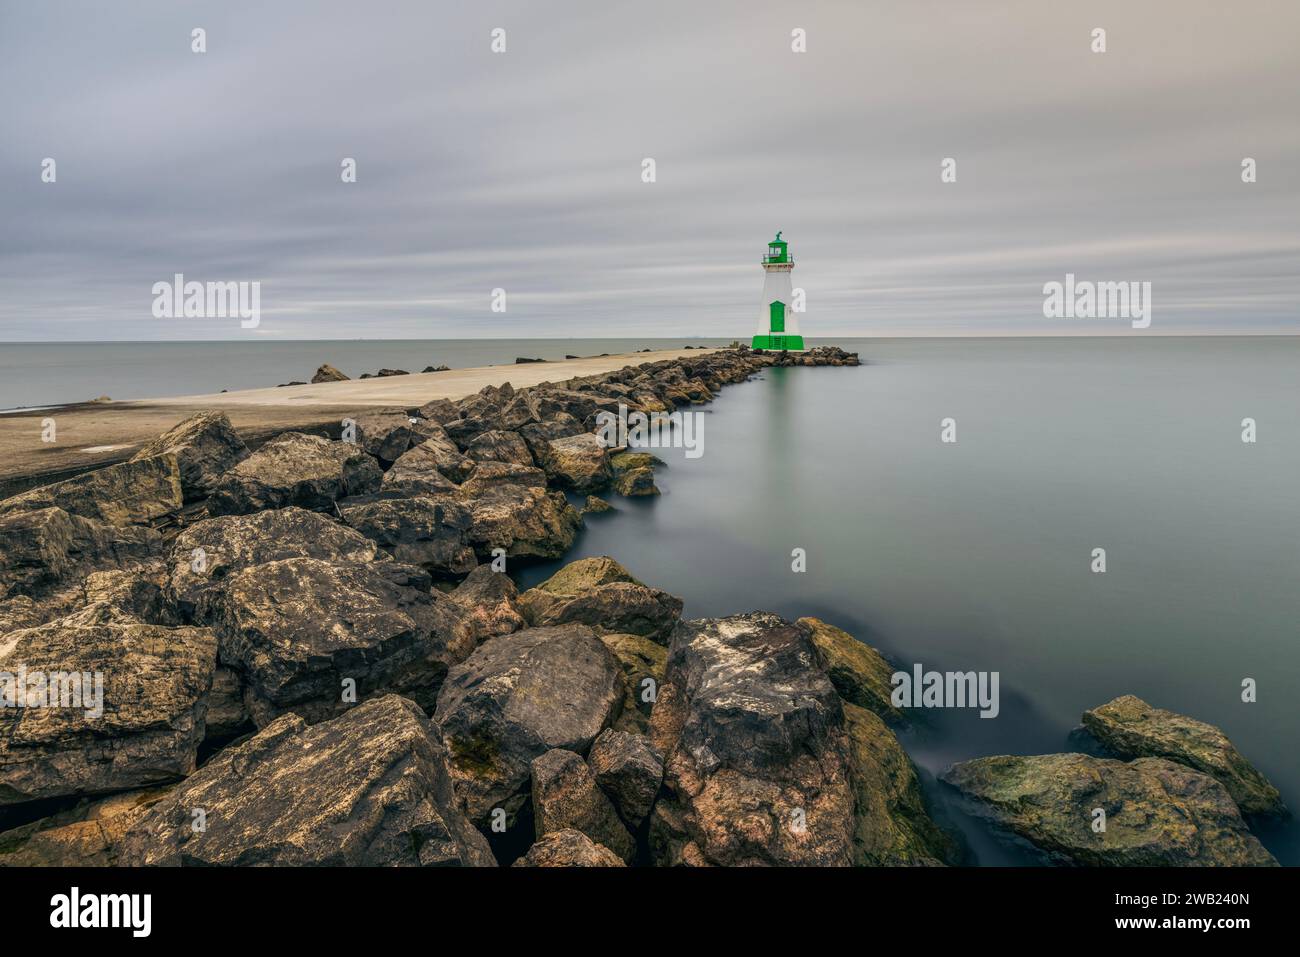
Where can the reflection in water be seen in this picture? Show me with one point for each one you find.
(975, 556)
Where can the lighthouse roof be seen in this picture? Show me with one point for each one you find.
(777, 251)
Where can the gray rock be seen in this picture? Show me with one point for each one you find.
(565, 796)
(388, 433)
(296, 629)
(206, 446)
(1128, 727)
(368, 788)
(420, 467)
(526, 521)
(489, 603)
(579, 462)
(205, 555)
(152, 683)
(499, 446)
(602, 593)
(428, 532)
(568, 848)
(628, 769)
(45, 549)
(128, 493)
(327, 373)
(296, 469)
(1158, 813)
(517, 697)
(758, 766)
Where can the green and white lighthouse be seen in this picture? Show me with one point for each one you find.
(778, 327)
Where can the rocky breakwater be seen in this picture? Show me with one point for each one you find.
(312, 643)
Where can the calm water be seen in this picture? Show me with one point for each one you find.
(976, 556)
(34, 374)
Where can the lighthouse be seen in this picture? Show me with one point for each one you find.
(778, 326)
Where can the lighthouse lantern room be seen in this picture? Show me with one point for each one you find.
(778, 326)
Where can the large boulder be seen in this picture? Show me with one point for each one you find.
(388, 433)
(86, 835)
(489, 603)
(489, 476)
(205, 555)
(304, 633)
(565, 796)
(568, 848)
(47, 548)
(602, 593)
(758, 764)
(420, 531)
(892, 826)
(206, 446)
(579, 462)
(526, 521)
(860, 674)
(1128, 727)
(429, 465)
(127, 709)
(296, 469)
(539, 435)
(500, 446)
(327, 373)
(1157, 813)
(129, 493)
(368, 788)
(628, 769)
(517, 697)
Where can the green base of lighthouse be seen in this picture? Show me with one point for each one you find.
(778, 343)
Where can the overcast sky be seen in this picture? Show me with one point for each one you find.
(522, 170)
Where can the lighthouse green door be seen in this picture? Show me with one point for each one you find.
(776, 313)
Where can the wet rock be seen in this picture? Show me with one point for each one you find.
(515, 698)
(296, 469)
(489, 603)
(327, 373)
(859, 672)
(205, 555)
(428, 466)
(128, 493)
(644, 664)
(568, 848)
(565, 796)
(596, 506)
(87, 835)
(297, 629)
(629, 770)
(498, 446)
(636, 482)
(142, 695)
(1128, 727)
(1158, 813)
(579, 462)
(892, 826)
(423, 531)
(758, 767)
(622, 462)
(206, 446)
(601, 593)
(43, 549)
(368, 788)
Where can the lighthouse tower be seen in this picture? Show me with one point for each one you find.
(778, 327)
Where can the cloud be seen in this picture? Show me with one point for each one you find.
(522, 170)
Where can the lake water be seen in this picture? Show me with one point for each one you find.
(977, 555)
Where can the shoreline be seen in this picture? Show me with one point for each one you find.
(114, 430)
